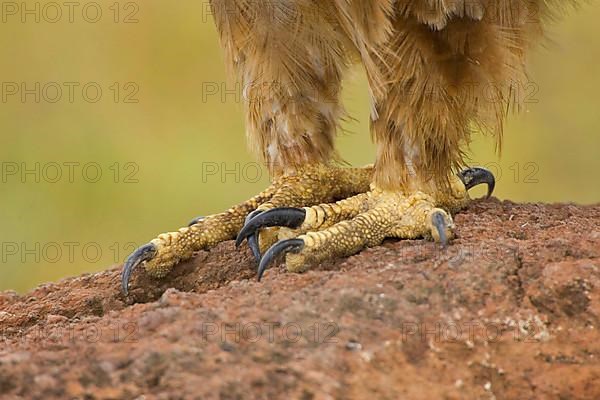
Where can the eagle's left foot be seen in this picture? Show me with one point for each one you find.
(315, 234)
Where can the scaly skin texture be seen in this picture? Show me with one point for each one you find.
(344, 228)
(311, 185)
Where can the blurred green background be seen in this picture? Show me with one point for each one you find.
(87, 176)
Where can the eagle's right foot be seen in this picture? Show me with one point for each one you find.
(306, 187)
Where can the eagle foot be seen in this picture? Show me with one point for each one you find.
(309, 235)
(307, 186)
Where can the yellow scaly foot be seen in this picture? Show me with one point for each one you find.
(307, 186)
(326, 231)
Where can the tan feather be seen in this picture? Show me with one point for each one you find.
(438, 70)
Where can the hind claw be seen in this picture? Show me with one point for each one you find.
(472, 177)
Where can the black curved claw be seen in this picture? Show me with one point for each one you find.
(144, 253)
(281, 247)
(195, 221)
(476, 176)
(253, 238)
(284, 216)
(439, 221)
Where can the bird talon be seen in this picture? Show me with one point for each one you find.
(281, 247)
(195, 221)
(283, 216)
(252, 238)
(472, 177)
(438, 220)
(144, 253)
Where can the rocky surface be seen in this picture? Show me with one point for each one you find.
(510, 311)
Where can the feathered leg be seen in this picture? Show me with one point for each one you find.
(289, 57)
(445, 69)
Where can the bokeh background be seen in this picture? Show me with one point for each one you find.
(88, 176)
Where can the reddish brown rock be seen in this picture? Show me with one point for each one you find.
(510, 311)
